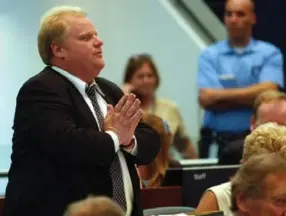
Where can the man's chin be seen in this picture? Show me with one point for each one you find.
(100, 65)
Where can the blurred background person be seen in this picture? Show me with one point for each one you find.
(259, 187)
(231, 73)
(141, 77)
(266, 138)
(94, 206)
(269, 106)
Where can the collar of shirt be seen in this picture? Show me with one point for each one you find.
(77, 82)
(226, 48)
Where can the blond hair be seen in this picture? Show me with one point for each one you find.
(249, 179)
(267, 97)
(94, 206)
(266, 138)
(158, 167)
(53, 28)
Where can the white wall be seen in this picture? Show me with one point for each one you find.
(125, 26)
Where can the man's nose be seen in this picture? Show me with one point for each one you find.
(98, 41)
(233, 18)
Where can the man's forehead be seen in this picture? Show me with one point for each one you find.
(80, 23)
(273, 104)
(272, 111)
(239, 5)
(272, 181)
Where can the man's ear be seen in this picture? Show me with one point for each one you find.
(254, 21)
(242, 202)
(58, 50)
(252, 123)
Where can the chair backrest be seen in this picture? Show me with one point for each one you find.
(1, 204)
(161, 196)
(167, 210)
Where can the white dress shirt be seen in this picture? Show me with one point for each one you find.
(81, 85)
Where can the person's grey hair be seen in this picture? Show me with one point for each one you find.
(249, 179)
(266, 138)
(94, 206)
(53, 28)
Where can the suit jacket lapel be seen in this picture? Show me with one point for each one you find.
(79, 102)
(107, 94)
(82, 107)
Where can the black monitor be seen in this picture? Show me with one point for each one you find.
(195, 180)
(173, 177)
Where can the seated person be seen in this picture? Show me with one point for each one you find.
(94, 206)
(153, 174)
(142, 78)
(259, 186)
(266, 138)
(269, 106)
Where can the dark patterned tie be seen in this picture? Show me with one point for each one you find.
(115, 169)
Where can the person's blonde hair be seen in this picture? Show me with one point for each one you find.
(157, 169)
(53, 28)
(249, 179)
(266, 138)
(94, 206)
(267, 97)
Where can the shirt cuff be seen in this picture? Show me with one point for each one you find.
(115, 139)
(133, 150)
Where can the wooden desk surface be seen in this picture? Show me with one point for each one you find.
(161, 196)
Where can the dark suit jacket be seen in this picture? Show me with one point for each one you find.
(59, 156)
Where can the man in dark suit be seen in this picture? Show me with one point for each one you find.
(74, 134)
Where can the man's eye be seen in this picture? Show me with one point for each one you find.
(240, 14)
(86, 37)
(280, 201)
(227, 13)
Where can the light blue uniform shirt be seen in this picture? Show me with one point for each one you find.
(221, 66)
